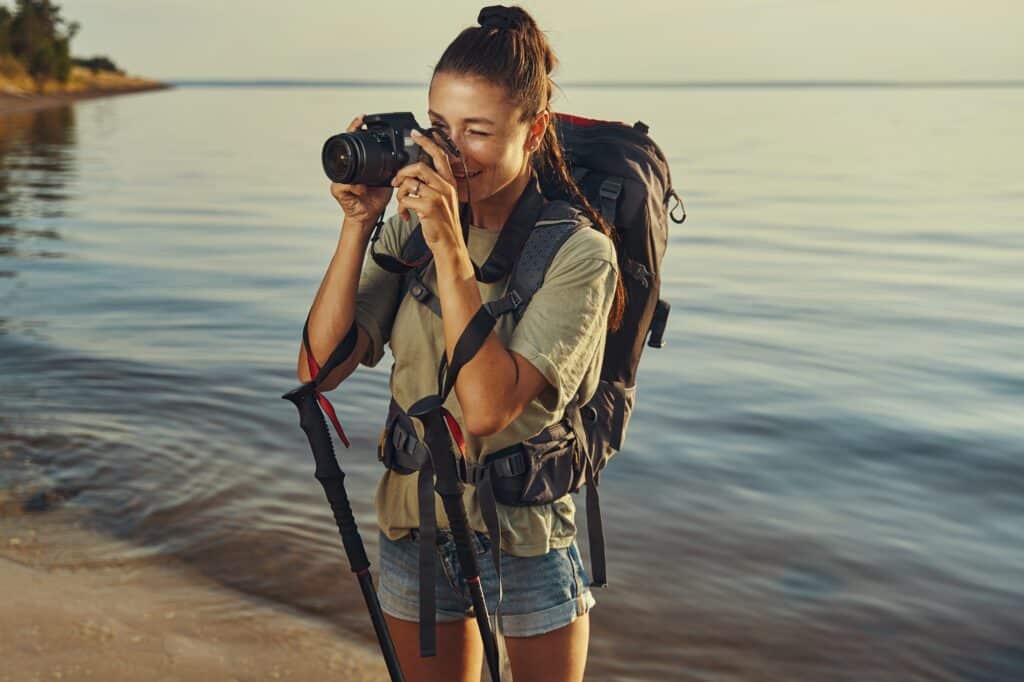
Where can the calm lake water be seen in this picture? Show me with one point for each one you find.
(822, 479)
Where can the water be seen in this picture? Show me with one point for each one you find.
(822, 477)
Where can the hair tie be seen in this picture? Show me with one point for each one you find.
(498, 16)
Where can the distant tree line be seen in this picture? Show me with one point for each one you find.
(37, 36)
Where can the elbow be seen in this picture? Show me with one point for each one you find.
(483, 420)
(481, 427)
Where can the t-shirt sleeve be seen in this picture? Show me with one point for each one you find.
(377, 297)
(566, 320)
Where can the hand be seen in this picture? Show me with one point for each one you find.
(361, 203)
(432, 193)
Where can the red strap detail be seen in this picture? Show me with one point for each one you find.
(329, 409)
(453, 426)
(325, 404)
(314, 368)
(583, 122)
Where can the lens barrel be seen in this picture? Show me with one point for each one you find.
(366, 157)
(341, 158)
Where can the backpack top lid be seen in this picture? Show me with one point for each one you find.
(616, 148)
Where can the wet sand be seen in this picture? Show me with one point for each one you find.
(69, 614)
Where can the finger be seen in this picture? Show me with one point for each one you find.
(356, 124)
(422, 172)
(421, 204)
(439, 156)
(339, 189)
(413, 186)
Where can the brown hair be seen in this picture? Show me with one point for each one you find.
(512, 51)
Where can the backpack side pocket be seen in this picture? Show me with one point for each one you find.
(605, 420)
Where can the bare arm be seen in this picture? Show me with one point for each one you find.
(333, 308)
(497, 384)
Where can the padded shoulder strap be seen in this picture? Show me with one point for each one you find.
(557, 223)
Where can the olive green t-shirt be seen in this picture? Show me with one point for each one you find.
(562, 334)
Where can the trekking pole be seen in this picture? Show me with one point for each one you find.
(332, 478)
(439, 443)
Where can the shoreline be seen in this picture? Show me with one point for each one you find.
(72, 612)
(18, 103)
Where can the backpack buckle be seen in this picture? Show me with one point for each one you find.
(507, 303)
(611, 188)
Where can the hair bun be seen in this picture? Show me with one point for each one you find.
(500, 16)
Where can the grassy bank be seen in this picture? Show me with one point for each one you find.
(18, 91)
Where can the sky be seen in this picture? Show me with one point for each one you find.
(642, 40)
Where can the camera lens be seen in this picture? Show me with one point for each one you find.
(363, 158)
(341, 158)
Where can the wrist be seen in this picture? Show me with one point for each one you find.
(357, 227)
(358, 222)
(452, 259)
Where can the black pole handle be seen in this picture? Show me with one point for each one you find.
(332, 478)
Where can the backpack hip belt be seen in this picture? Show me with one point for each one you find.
(534, 472)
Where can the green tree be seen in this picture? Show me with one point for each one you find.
(5, 31)
(40, 40)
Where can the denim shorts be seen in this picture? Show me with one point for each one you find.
(539, 593)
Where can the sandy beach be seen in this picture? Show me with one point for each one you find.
(69, 614)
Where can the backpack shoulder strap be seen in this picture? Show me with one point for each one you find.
(557, 223)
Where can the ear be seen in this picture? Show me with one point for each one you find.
(537, 130)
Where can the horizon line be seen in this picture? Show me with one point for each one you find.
(326, 83)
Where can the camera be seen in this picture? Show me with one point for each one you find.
(373, 156)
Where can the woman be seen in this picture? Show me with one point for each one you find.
(490, 94)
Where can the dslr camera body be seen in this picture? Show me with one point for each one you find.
(373, 156)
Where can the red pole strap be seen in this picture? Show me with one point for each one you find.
(325, 404)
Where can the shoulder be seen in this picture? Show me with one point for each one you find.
(586, 252)
(586, 243)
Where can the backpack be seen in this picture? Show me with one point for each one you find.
(624, 174)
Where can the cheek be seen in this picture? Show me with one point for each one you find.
(491, 154)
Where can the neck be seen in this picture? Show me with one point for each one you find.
(492, 213)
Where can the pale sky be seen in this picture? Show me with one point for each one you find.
(653, 40)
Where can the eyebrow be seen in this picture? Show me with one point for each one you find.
(433, 113)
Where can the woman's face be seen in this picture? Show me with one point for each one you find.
(485, 125)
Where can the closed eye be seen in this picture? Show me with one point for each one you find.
(442, 126)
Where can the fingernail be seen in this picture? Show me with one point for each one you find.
(417, 133)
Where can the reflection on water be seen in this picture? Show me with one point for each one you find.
(37, 159)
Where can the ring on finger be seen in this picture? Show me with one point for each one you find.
(415, 194)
